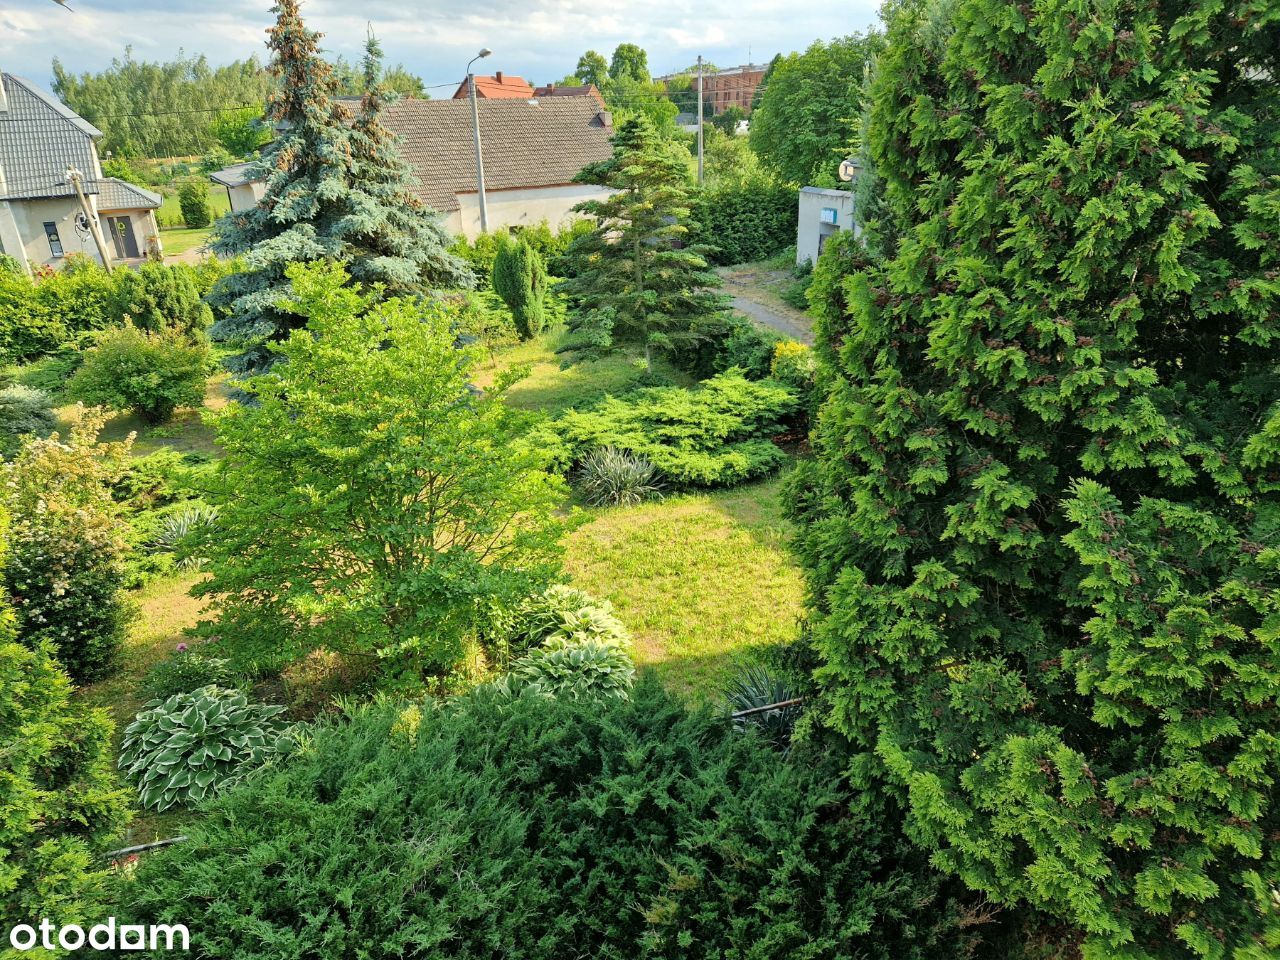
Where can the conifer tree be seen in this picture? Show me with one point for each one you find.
(632, 281)
(1042, 530)
(335, 189)
(520, 279)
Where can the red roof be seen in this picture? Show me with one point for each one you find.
(498, 87)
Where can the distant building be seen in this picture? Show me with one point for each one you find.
(498, 87)
(552, 90)
(532, 151)
(823, 213)
(41, 219)
(732, 87)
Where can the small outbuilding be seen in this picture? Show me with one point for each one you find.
(823, 213)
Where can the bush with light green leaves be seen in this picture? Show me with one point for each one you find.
(577, 669)
(179, 752)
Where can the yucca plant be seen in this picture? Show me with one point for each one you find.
(182, 750)
(176, 531)
(757, 686)
(611, 477)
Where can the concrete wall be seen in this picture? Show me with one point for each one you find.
(812, 230)
(521, 208)
(28, 219)
(246, 195)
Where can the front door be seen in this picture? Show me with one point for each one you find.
(125, 243)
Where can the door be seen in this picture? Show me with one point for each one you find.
(126, 244)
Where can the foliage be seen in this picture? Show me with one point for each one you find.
(181, 751)
(755, 686)
(23, 411)
(160, 109)
(593, 69)
(162, 296)
(633, 281)
(353, 80)
(586, 669)
(240, 132)
(336, 189)
(558, 614)
(79, 295)
(187, 670)
(554, 827)
(1041, 530)
(64, 573)
(746, 221)
(317, 682)
(793, 364)
(193, 201)
(28, 329)
(151, 374)
(629, 62)
(180, 528)
(520, 279)
(727, 121)
(805, 122)
(388, 496)
(609, 478)
(736, 342)
(49, 374)
(60, 802)
(715, 435)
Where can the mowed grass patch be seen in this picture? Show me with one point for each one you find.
(552, 389)
(702, 581)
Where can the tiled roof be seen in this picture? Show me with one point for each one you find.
(39, 138)
(588, 90)
(499, 87)
(116, 194)
(525, 144)
(236, 175)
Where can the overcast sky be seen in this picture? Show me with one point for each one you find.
(538, 39)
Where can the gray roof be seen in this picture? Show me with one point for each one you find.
(541, 144)
(236, 175)
(116, 194)
(39, 137)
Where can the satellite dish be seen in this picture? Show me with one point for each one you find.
(848, 170)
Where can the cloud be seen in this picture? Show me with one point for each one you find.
(538, 39)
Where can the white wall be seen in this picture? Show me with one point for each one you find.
(811, 230)
(29, 218)
(246, 195)
(521, 208)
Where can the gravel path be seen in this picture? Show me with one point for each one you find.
(752, 296)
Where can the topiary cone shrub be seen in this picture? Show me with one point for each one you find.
(520, 279)
(1043, 530)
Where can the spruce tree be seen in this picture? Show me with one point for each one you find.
(632, 281)
(336, 189)
(1042, 530)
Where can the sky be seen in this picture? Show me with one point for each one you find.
(537, 39)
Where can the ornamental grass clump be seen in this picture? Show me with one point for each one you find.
(609, 477)
(180, 751)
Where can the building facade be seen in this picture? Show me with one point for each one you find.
(823, 213)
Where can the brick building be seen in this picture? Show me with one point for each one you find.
(734, 87)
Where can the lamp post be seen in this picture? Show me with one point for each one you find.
(475, 122)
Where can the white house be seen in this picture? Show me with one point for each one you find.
(532, 151)
(42, 220)
(823, 213)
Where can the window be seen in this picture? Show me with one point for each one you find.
(828, 214)
(55, 244)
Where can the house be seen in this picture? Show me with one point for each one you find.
(498, 87)
(586, 90)
(823, 213)
(722, 89)
(532, 151)
(42, 219)
(244, 190)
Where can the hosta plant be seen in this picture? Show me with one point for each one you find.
(609, 477)
(181, 750)
(558, 614)
(578, 670)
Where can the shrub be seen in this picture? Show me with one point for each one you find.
(193, 200)
(610, 477)
(792, 364)
(558, 614)
(60, 803)
(50, 373)
(23, 411)
(520, 279)
(715, 435)
(744, 222)
(731, 340)
(313, 684)
(28, 329)
(554, 828)
(180, 751)
(179, 529)
(755, 686)
(151, 374)
(65, 574)
(80, 295)
(159, 296)
(188, 669)
(577, 670)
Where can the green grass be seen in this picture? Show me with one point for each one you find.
(703, 582)
(552, 390)
(171, 212)
(178, 240)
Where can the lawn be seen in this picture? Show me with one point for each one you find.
(701, 581)
(179, 240)
(171, 212)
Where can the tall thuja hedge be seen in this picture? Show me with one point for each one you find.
(741, 222)
(335, 189)
(1042, 529)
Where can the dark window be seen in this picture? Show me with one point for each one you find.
(55, 244)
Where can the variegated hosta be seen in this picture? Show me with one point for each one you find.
(179, 751)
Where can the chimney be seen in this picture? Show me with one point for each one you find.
(605, 118)
(499, 76)
(551, 89)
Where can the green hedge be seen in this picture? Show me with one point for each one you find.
(744, 223)
(543, 829)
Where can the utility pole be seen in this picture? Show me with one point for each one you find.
(699, 119)
(76, 179)
(475, 122)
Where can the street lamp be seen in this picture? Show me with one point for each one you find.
(475, 122)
